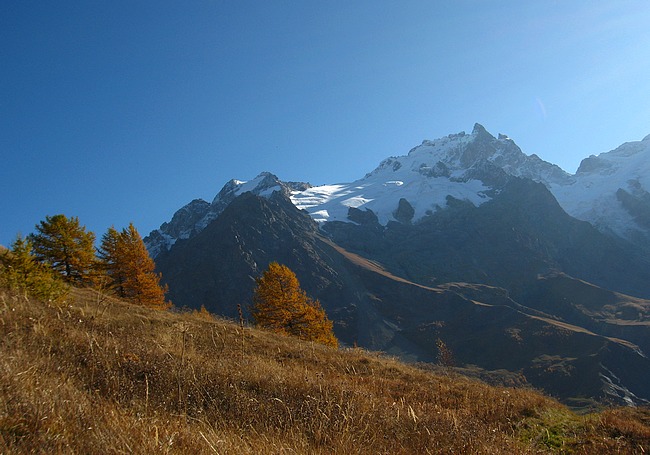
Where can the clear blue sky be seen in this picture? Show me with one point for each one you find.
(122, 111)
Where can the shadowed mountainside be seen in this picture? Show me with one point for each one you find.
(380, 307)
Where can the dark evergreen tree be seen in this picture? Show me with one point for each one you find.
(110, 261)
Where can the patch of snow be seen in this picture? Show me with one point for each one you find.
(382, 196)
(268, 191)
(320, 215)
(244, 186)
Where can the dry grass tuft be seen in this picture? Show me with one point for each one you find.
(96, 375)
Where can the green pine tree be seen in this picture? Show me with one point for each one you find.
(110, 261)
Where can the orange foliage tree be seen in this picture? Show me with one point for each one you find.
(280, 305)
(125, 260)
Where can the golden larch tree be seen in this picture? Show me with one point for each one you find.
(65, 245)
(126, 261)
(280, 305)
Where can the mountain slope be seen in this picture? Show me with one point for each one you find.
(463, 240)
(565, 360)
(597, 309)
(381, 310)
(72, 380)
(508, 241)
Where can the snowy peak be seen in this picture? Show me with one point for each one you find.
(262, 185)
(464, 166)
(461, 151)
(188, 215)
(611, 191)
(195, 216)
(628, 155)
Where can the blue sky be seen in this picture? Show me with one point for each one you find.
(124, 111)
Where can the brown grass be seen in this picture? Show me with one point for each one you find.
(100, 376)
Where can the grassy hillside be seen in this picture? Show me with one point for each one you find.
(95, 375)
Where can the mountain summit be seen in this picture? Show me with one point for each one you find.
(611, 191)
(464, 166)
(192, 218)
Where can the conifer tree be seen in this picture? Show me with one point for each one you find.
(126, 261)
(279, 304)
(65, 245)
(445, 356)
(110, 260)
(20, 262)
(19, 270)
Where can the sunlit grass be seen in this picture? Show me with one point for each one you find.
(95, 375)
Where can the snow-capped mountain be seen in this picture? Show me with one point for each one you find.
(461, 239)
(459, 165)
(195, 216)
(610, 190)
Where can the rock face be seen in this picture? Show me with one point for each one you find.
(404, 212)
(198, 214)
(465, 239)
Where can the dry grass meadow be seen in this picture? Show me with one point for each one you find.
(93, 375)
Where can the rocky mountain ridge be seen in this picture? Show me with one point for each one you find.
(195, 216)
(609, 190)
